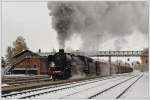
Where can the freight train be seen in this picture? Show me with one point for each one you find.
(65, 65)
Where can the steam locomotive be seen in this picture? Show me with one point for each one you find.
(65, 65)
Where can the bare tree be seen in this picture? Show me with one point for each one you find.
(19, 45)
(9, 55)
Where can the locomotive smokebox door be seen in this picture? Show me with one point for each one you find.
(50, 58)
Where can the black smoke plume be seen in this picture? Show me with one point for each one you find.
(98, 21)
(62, 16)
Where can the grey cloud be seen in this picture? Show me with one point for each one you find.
(94, 20)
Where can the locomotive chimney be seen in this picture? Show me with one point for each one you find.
(61, 50)
(39, 50)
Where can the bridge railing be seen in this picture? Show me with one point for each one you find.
(112, 53)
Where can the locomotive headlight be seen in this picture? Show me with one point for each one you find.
(52, 64)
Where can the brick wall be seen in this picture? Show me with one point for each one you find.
(36, 62)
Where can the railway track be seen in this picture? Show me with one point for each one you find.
(34, 93)
(127, 88)
(81, 91)
(16, 84)
(117, 90)
(88, 92)
(16, 87)
(37, 89)
(28, 81)
(19, 80)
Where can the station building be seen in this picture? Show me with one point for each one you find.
(144, 61)
(28, 62)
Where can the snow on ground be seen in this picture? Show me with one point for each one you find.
(78, 90)
(139, 90)
(23, 75)
(114, 92)
(18, 75)
(3, 85)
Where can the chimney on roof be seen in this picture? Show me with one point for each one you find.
(39, 50)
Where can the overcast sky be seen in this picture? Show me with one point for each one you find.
(32, 21)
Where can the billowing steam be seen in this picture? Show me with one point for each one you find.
(95, 21)
(118, 43)
(77, 68)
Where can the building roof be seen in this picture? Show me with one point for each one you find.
(19, 54)
(40, 54)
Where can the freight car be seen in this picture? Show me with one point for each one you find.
(65, 65)
(120, 68)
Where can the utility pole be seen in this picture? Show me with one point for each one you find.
(109, 62)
